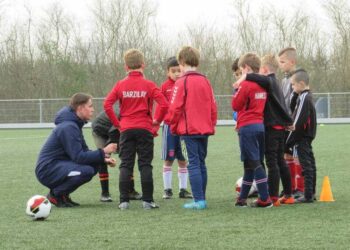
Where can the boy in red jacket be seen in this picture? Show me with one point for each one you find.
(192, 115)
(135, 95)
(249, 101)
(171, 145)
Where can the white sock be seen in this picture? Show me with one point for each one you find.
(183, 175)
(167, 176)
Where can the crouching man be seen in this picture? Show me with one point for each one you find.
(65, 161)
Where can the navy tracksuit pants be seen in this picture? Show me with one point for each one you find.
(64, 177)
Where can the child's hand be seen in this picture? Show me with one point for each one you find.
(290, 128)
(239, 81)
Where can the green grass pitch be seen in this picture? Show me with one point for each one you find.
(96, 225)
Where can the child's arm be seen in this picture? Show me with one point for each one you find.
(261, 80)
(157, 112)
(239, 98)
(214, 111)
(302, 112)
(162, 104)
(177, 103)
(111, 98)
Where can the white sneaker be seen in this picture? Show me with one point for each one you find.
(124, 205)
(149, 205)
(106, 198)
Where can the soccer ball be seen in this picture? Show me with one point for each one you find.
(38, 207)
(252, 192)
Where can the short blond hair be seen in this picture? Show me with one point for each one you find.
(290, 52)
(134, 59)
(189, 56)
(250, 59)
(270, 61)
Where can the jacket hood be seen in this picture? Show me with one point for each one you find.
(68, 114)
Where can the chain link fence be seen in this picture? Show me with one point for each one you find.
(332, 107)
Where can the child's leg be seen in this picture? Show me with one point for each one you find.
(305, 157)
(203, 147)
(145, 146)
(168, 155)
(182, 170)
(247, 182)
(290, 163)
(271, 154)
(167, 174)
(195, 174)
(104, 178)
(127, 156)
(299, 176)
(283, 168)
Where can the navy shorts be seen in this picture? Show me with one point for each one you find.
(252, 142)
(171, 146)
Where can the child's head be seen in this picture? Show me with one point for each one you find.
(134, 60)
(173, 68)
(236, 70)
(188, 56)
(249, 63)
(269, 64)
(287, 59)
(300, 81)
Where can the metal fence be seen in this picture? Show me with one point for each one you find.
(331, 107)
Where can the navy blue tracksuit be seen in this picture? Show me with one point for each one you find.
(65, 161)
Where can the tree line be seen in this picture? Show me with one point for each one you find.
(51, 57)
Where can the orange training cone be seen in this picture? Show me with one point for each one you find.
(326, 192)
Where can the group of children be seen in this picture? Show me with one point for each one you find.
(276, 122)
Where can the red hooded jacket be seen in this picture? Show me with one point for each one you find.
(135, 95)
(192, 108)
(166, 88)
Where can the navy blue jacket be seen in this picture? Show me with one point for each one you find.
(67, 143)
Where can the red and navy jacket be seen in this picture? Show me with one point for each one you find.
(192, 108)
(249, 102)
(304, 115)
(166, 88)
(135, 95)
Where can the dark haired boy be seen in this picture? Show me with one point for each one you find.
(171, 145)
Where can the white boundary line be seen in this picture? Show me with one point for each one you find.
(220, 123)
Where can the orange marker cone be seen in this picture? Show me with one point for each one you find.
(326, 192)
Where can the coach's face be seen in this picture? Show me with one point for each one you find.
(85, 111)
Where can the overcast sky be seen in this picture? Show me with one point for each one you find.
(172, 15)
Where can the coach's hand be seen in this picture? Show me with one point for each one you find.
(111, 162)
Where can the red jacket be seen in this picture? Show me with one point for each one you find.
(135, 95)
(166, 88)
(192, 109)
(249, 101)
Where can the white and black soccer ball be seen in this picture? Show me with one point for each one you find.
(38, 207)
(252, 192)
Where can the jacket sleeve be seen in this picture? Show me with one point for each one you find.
(261, 80)
(73, 144)
(214, 110)
(110, 100)
(239, 98)
(293, 101)
(302, 113)
(176, 107)
(157, 113)
(162, 103)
